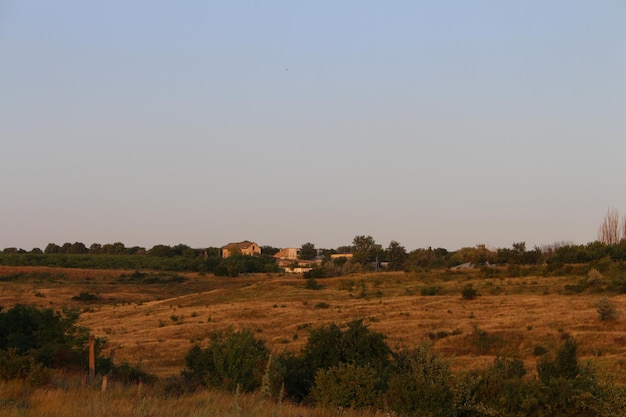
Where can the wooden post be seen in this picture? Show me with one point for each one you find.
(92, 357)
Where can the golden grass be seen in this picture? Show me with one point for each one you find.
(80, 400)
(155, 325)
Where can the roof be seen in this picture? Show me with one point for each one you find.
(239, 245)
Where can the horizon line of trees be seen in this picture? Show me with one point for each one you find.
(365, 255)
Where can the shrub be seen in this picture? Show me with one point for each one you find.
(564, 366)
(345, 385)
(51, 338)
(312, 284)
(86, 297)
(128, 374)
(14, 366)
(468, 292)
(594, 277)
(606, 309)
(316, 272)
(569, 389)
(231, 359)
(430, 290)
(329, 346)
(421, 384)
(483, 341)
(501, 389)
(539, 350)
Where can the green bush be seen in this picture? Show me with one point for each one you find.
(469, 292)
(421, 384)
(430, 290)
(315, 272)
(15, 366)
(501, 387)
(329, 346)
(569, 389)
(312, 284)
(86, 297)
(231, 359)
(50, 338)
(345, 385)
(127, 374)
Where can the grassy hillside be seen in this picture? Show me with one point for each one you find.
(152, 319)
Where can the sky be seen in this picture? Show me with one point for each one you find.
(431, 123)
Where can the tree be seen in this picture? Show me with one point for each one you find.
(308, 251)
(269, 250)
(50, 338)
(364, 250)
(77, 248)
(162, 251)
(396, 255)
(609, 232)
(52, 248)
(95, 248)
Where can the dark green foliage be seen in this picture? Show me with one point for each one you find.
(569, 389)
(316, 272)
(397, 256)
(128, 374)
(231, 359)
(430, 290)
(244, 264)
(49, 338)
(345, 385)
(469, 292)
(15, 366)
(365, 250)
(484, 342)
(138, 277)
(86, 297)
(501, 387)
(539, 350)
(312, 284)
(577, 288)
(329, 346)
(564, 366)
(308, 251)
(421, 384)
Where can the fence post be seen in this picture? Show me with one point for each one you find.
(92, 357)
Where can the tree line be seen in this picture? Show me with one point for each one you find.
(365, 254)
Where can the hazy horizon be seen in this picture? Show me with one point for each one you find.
(444, 124)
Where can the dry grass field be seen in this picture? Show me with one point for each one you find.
(153, 325)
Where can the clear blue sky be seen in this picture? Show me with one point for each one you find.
(432, 123)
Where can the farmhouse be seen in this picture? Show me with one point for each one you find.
(243, 248)
(288, 253)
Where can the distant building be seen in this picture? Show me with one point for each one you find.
(340, 255)
(288, 253)
(243, 248)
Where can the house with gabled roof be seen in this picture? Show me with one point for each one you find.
(242, 248)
